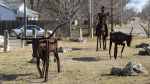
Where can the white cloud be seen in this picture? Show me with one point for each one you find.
(137, 5)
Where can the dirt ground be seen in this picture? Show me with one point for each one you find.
(81, 66)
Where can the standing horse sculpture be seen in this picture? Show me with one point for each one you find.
(42, 47)
(101, 29)
(119, 38)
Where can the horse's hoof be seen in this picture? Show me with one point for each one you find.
(45, 81)
(105, 49)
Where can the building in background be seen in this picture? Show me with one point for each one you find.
(10, 11)
(6, 13)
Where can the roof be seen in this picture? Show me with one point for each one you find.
(17, 6)
(13, 4)
(4, 4)
(29, 12)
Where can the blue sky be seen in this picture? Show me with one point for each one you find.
(137, 5)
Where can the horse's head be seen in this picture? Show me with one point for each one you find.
(129, 39)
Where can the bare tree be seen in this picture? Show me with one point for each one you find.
(146, 12)
(63, 10)
(58, 10)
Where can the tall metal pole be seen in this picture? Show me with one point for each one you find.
(111, 15)
(121, 13)
(148, 28)
(91, 17)
(25, 18)
(69, 10)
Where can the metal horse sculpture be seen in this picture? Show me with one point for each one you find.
(42, 47)
(101, 30)
(119, 38)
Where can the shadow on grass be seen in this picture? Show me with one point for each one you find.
(143, 53)
(106, 75)
(10, 77)
(85, 59)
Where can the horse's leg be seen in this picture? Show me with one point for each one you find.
(97, 43)
(100, 37)
(46, 67)
(38, 67)
(58, 60)
(115, 51)
(46, 63)
(110, 49)
(104, 42)
(122, 49)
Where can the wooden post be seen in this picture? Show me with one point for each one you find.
(148, 29)
(6, 37)
(81, 36)
(22, 41)
(121, 14)
(91, 18)
(25, 18)
(112, 25)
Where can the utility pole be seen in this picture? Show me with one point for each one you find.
(121, 14)
(148, 27)
(69, 17)
(112, 26)
(25, 19)
(91, 17)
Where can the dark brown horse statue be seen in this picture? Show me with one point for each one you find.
(42, 47)
(119, 38)
(101, 29)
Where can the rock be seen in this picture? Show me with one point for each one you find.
(116, 71)
(128, 70)
(131, 69)
(138, 68)
(143, 45)
(147, 49)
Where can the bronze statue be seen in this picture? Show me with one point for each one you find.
(42, 48)
(101, 28)
(119, 38)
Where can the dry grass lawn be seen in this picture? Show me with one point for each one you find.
(15, 69)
